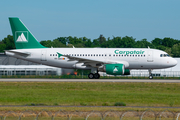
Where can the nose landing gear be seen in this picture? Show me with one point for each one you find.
(150, 74)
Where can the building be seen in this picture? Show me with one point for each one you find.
(14, 66)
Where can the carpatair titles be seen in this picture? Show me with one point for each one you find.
(128, 52)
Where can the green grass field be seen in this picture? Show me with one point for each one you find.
(85, 93)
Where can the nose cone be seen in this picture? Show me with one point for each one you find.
(174, 62)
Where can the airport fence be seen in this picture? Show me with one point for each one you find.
(90, 115)
(86, 77)
(57, 73)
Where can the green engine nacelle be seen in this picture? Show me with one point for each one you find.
(114, 69)
(126, 72)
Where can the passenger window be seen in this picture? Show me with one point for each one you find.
(109, 54)
(88, 54)
(105, 54)
(102, 54)
(75, 55)
(99, 55)
(50, 54)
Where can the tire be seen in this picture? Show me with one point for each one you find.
(96, 76)
(150, 77)
(91, 76)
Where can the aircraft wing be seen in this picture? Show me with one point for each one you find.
(94, 62)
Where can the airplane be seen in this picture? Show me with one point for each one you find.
(113, 61)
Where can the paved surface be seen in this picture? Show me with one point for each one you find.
(91, 80)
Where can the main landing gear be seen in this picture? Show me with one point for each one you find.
(94, 74)
(150, 74)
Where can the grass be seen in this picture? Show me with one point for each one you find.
(89, 94)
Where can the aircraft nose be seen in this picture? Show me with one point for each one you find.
(174, 62)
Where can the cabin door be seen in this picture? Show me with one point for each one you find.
(43, 55)
(150, 56)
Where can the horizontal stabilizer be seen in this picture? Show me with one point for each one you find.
(19, 53)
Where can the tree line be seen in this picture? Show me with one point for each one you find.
(169, 45)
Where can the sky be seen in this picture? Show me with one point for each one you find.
(49, 19)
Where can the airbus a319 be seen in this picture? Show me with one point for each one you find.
(113, 61)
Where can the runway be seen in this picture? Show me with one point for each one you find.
(90, 80)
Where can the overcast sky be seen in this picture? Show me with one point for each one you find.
(49, 19)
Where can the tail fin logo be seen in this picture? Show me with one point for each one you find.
(21, 36)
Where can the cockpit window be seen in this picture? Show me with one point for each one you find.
(164, 55)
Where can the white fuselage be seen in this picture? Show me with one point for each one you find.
(132, 58)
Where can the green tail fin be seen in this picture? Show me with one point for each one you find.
(23, 38)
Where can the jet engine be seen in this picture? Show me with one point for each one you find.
(115, 69)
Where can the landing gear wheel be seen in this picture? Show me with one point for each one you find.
(150, 74)
(91, 76)
(96, 76)
(150, 77)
